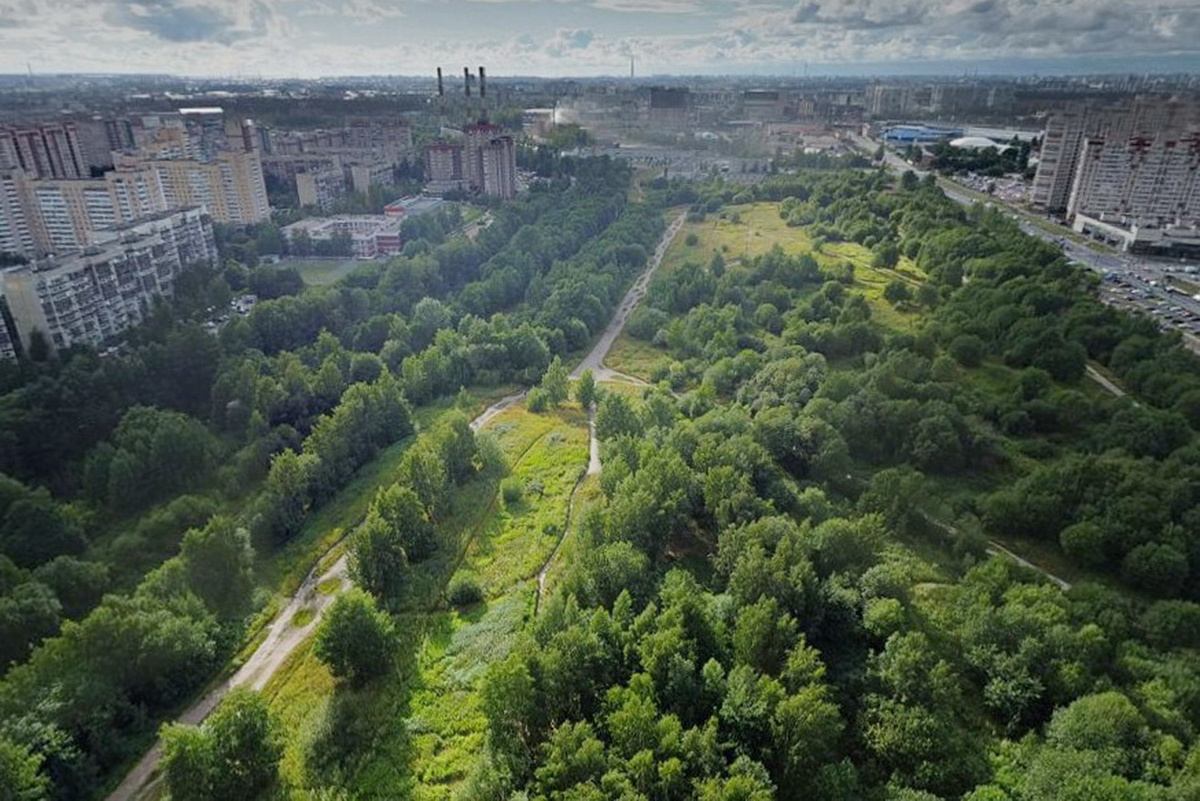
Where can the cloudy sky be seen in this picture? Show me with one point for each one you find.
(308, 38)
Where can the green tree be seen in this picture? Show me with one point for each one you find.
(19, 776)
(234, 754)
(585, 389)
(219, 562)
(555, 382)
(356, 640)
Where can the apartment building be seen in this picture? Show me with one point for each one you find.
(43, 151)
(498, 168)
(321, 188)
(1120, 141)
(230, 185)
(1144, 180)
(40, 217)
(92, 295)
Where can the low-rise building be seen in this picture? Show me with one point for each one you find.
(370, 236)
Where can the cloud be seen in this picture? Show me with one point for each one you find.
(650, 6)
(186, 21)
(567, 37)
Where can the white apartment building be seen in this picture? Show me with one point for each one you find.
(94, 294)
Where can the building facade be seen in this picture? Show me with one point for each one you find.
(91, 296)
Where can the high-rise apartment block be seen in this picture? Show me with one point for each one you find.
(43, 151)
(49, 204)
(90, 296)
(498, 168)
(485, 162)
(1132, 160)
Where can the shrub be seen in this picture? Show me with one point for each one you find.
(464, 591)
(512, 491)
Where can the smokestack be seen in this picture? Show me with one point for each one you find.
(441, 91)
(467, 80)
(482, 84)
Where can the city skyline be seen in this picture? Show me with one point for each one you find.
(552, 38)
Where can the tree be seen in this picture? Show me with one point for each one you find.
(1156, 568)
(967, 350)
(356, 640)
(585, 389)
(234, 754)
(19, 777)
(219, 562)
(897, 292)
(615, 417)
(555, 382)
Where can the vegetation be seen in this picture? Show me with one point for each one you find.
(779, 586)
(272, 417)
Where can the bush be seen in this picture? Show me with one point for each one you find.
(464, 591)
(537, 400)
(967, 350)
(512, 491)
(691, 240)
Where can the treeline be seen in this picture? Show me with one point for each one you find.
(271, 417)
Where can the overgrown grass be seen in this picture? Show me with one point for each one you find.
(635, 357)
(519, 537)
(322, 272)
(434, 729)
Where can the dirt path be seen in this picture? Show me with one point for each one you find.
(283, 637)
(1099, 378)
(594, 361)
(996, 549)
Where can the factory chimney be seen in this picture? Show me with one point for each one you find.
(467, 80)
(482, 84)
(441, 91)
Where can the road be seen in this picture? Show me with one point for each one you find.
(283, 637)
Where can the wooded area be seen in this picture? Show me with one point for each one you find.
(781, 587)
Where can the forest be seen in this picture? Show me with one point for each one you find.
(782, 583)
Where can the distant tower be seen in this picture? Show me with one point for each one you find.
(631, 68)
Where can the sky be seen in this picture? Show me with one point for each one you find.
(312, 38)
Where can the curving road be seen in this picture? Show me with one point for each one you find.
(283, 637)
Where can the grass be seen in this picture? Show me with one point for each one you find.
(321, 272)
(759, 228)
(635, 357)
(423, 726)
(518, 538)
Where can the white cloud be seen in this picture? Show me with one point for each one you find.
(303, 37)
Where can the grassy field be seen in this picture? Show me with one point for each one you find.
(758, 229)
(321, 272)
(425, 725)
